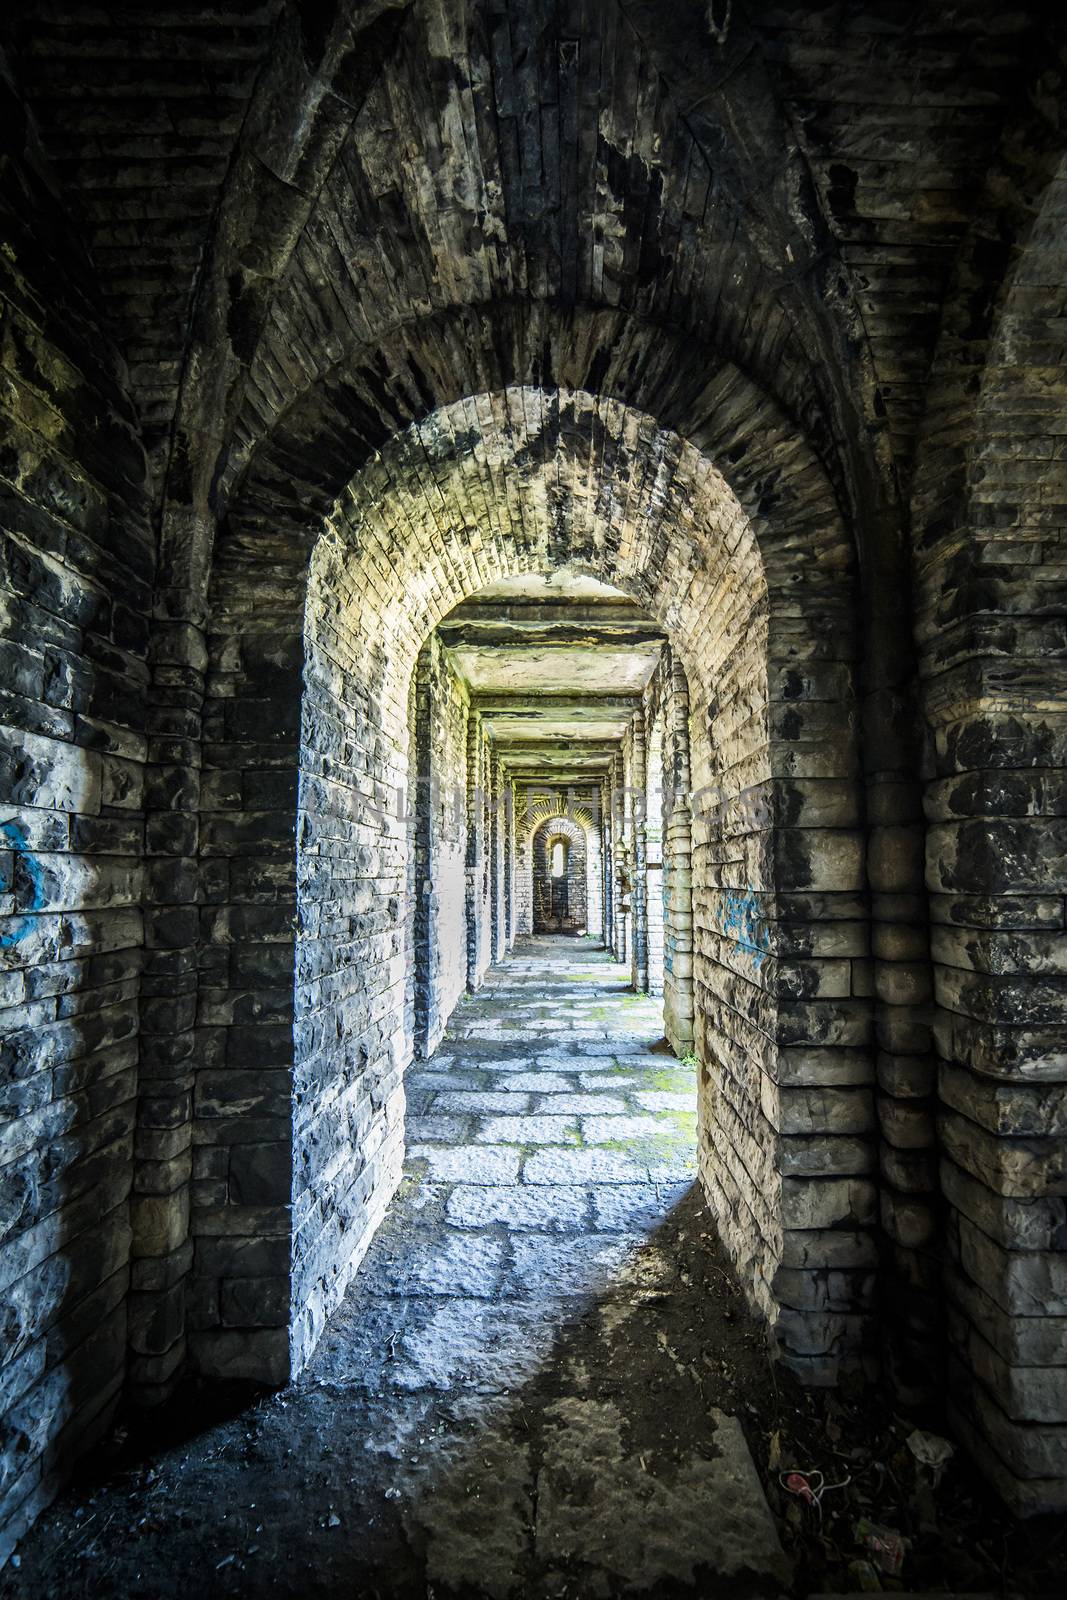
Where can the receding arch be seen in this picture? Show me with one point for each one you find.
(544, 821)
(559, 869)
(523, 480)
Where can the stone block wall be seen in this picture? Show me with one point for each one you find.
(476, 775)
(621, 826)
(677, 860)
(76, 570)
(655, 887)
(499, 846)
(783, 1014)
(661, 806)
(203, 916)
(319, 749)
(449, 866)
(992, 572)
(240, 1202)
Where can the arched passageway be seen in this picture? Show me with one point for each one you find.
(713, 591)
(559, 869)
(353, 355)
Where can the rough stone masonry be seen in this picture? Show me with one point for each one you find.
(417, 411)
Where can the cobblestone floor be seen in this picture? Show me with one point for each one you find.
(522, 1392)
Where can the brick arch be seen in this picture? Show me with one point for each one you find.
(557, 809)
(548, 817)
(523, 480)
(328, 92)
(687, 383)
(579, 867)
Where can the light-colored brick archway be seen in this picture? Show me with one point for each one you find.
(520, 481)
(542, 819)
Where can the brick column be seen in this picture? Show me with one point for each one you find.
(421, 837)
(910, 1207)
(639, 833)
(475, 818)
(507, 860)
(162, 1249)
(606, 865)
(677, 866)
(619, 944)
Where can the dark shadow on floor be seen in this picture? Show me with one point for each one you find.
(525, 1447)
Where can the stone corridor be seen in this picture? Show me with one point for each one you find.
(481, 469)
(521, 1392)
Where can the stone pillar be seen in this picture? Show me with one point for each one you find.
(607, 869)
(242, 1300)
(162, 1249)
(475, 821)
(912, 1319)
(496, 861)
(677, 866)
(422, 875)
(639, 833)
(594, 908)
(621, 884)
(507, 859)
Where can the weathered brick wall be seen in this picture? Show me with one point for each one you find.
(499, 823)
(524, 886)
(241, 1195)
(76, 567)
(992, 571)
(276, 353)
(475, 774)
(621, 862)
(657, 814)
(654, 851)
(450, 869)
(594, 877)
(787, 1170)
(782, 1008)
(356, 1009)
(777, 853)
(677, 860)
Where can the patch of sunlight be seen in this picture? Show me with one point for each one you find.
(670, 1080)
(679, 1138)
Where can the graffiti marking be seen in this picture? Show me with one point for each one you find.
(742, 920)
(15, 836)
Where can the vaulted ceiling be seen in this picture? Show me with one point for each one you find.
(555, 664)
(268, 188)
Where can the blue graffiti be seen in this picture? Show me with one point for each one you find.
(15, 835)
(741, 919)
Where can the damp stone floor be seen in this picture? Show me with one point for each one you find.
(533, 1386)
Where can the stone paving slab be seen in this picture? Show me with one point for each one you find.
(559, 1207)
(468, 1163)
(601, 1132)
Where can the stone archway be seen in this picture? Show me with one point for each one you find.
(750, 614)
(559, 868)
(549, 816)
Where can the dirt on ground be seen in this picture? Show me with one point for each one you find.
(215, 1493)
